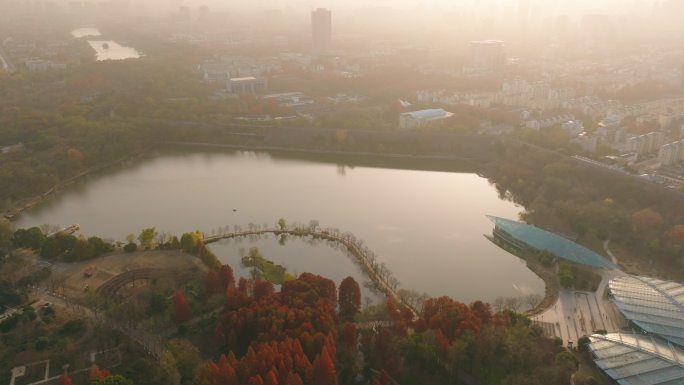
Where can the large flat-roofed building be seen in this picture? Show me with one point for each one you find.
(246, 85)
(524, 237)
(422, 118)
(321, 30)
(637, 359)
(289, 99)
(653, 305)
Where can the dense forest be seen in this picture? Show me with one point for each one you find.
(225, 330)
(296, 336)
(595, 205)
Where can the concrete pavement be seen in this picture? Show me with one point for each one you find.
(580, 313)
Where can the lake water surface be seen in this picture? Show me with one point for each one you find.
(427, 226)
(105, 49)
(297, 255)
(85, 32)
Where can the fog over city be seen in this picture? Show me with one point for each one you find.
(341, 192)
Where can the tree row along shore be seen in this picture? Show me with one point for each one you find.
(366, 259)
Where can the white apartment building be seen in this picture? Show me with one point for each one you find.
(246, 85)
(645, 144)
(671, 153)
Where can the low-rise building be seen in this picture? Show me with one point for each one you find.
(246, 85)
(215, 72)
(573, 127)
(289, 99)
(422, 118)
(586, 141)
(38, 65)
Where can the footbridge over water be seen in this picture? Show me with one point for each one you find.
(362, 254)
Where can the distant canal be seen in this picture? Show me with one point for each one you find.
(105, 49)
(426, 226)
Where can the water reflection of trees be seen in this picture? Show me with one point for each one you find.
(380, 278)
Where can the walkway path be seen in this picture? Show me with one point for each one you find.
(362, 254)
(606, 248)
(581, 313)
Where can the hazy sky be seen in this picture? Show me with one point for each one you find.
(573, 6)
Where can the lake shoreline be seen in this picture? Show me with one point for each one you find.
(36, 200)
(203, 162)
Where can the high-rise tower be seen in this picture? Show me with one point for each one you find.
(321, 30)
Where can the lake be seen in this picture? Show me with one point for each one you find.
(85, 32)
(105, 49)
(426, 226)
(111, 50)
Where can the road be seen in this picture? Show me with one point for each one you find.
(606, 248)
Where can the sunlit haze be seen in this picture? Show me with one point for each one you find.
(341, 192)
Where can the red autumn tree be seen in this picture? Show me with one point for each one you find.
(262, 289)
(98, 374)
(349, 298)
(398, 317)
(482, 310)
(212, 283)
(452, 318)
(245, 286)
(182, 309)
(294, 379)
(221, 372)
(348, 337)
(227, 277)
(271, 378)
(324, 370)
(65, 380)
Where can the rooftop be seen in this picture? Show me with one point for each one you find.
(434, 113)
(544, 240)
(245, 79)
(654, 305)
(637, 359)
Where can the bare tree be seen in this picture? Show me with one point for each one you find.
(513, 303)
(499, 304)
(532, 300)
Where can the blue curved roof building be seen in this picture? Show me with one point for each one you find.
(522, 235)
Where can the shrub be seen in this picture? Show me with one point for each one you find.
(41, 343)
(73, 327)
(130, 247)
